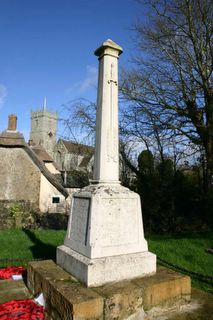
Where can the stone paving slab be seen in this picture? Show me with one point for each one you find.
(10, 290)
(165, 286)
(200, 307)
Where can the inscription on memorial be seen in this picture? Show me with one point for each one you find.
(117, 230)
(80, 220)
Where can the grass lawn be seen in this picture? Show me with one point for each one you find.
(30, 244)
(185, 250)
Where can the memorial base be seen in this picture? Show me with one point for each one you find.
(96, 272)
(67, 298)
(105, 239)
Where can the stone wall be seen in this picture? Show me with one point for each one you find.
(16, 214)
(19, 177)
(21, 214)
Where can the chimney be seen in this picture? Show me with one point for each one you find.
(31, 143)
(12, 122)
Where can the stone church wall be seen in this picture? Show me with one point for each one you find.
(43, 129)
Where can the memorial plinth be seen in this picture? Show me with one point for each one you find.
(105, 239)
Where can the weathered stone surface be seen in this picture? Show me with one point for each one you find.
(106, 221)
(96, 272)
(163, 287)
(199, 308)
(40, 273)
(105, 239)
(121, 299)
(17, 214)
(43, 129)
(74, 301)
(67, 298)
(106, 161)
(10, 290)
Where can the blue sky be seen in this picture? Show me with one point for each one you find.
(47, 51)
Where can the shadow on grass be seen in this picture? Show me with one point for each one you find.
(184, 235)
(39, 249)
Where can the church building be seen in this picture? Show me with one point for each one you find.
(44, 128)
(67, 155)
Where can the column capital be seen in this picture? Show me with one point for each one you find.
(108, 47)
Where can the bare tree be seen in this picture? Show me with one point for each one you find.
(171, 82)
(78, 121)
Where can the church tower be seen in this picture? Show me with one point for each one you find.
(43, 128)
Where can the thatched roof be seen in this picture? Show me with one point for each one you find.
(12, 139)
(41, 153)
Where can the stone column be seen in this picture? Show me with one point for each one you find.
(106, 166)
(105, 239)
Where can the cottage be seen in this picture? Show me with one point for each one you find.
(27, 173)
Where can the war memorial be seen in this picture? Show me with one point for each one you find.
(104, 269)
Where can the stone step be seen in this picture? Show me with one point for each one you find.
(10, 290)
(67, 298)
